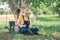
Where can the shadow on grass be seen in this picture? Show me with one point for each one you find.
(51, 31)
(4, 36)
(42, 36)
(7, 36)
(51, 28)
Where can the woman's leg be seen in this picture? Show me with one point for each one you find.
(24, 31)
(30, 31)
(34, 30)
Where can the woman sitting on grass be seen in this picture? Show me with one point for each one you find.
(24, 25)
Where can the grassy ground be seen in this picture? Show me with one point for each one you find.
(49, 29)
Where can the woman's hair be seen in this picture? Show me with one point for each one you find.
(18, 11)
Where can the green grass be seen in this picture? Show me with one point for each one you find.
(49, 27)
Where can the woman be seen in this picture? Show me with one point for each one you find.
(24, 23)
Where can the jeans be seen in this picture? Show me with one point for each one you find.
(30, 31)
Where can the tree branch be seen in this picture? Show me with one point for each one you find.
(12, 5)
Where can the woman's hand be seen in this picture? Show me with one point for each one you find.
(16, 28)
(24, 25)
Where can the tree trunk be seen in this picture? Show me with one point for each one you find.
(13, 7)
(23, 5)
(19, 3)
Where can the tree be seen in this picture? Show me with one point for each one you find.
(22, 5)
(39, 6)
(1, 11)
(57, 8)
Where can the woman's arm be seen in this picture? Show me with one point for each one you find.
(20, 22)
